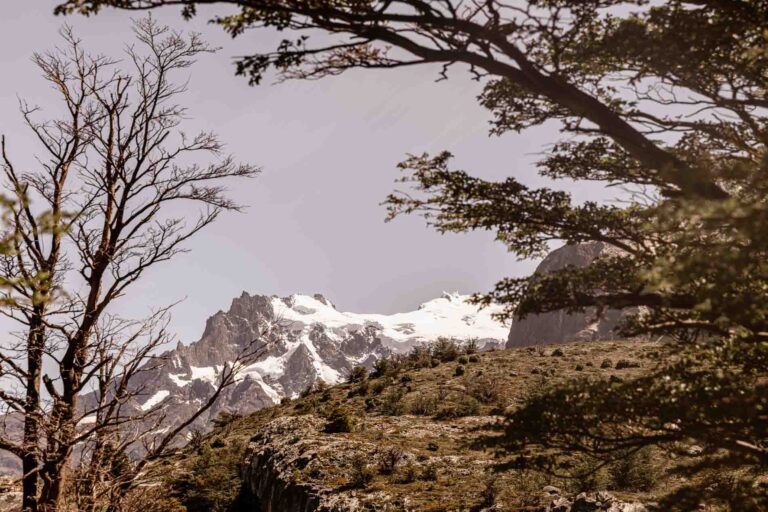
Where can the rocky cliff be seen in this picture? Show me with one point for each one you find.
(559, 326)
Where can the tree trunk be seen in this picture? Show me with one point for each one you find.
(30, 459)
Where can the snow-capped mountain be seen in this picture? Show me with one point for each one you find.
(305, 338)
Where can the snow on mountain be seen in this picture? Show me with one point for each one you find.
(304, 338)
(448, 316)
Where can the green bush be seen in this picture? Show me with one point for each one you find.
(406, 474)
(589, 475)
(392, 403)
(423, 405)
(360, 472)
(378, 386)
(635, 471)
(371, 404)
(467, 406)
(340, 421)
(361, 389)
(388, 459)
(357, 374)
(213, 483)
(445, 350)
(429, 473)
(484, 389)
(625, 363)
(380, 367)
(459, 371)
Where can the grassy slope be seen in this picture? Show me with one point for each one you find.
(440, 467)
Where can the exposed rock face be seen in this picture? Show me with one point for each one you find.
(559, 326)
(269, 474)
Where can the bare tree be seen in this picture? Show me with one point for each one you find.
(118, 442)
(86, 225)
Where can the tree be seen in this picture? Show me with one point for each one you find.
(666, 99)
(86, 225)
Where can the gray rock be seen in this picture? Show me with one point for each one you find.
(562, 327)
(560, 505)
(586, 503)
(594, 502)
(627, 507)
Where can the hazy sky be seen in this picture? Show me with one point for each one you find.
(328, 150)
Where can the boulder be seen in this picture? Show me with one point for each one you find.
(594, 502)
(562, 327)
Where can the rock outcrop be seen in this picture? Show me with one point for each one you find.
(595, 502)
(559, 326)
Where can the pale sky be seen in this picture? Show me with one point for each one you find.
(328, 150)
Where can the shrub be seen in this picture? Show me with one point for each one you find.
(467, 406)
(433, 446)
(528, 487)
(213, 482)
(490, 493)
(445, 350)
(405, 379)
(624, 363)
(380, 367)
(392, 403)
(484, 389)
(459, 371)
(196, 440)
(339, 421)
(579, 367)
(360, 472)
(371, 404)
(607, 363)
(471, 347)
(357, 374)
(589, 475)
(389, 458)
(558, 352)
(307, 405)
(423, 405)
(225, 418)
(407, 474)
(361, 389)
(474, 358)
(635, 471)
(378, 386)
(429, 473)
(420, 357)
(463, 360)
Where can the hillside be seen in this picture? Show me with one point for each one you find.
(411, 439)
